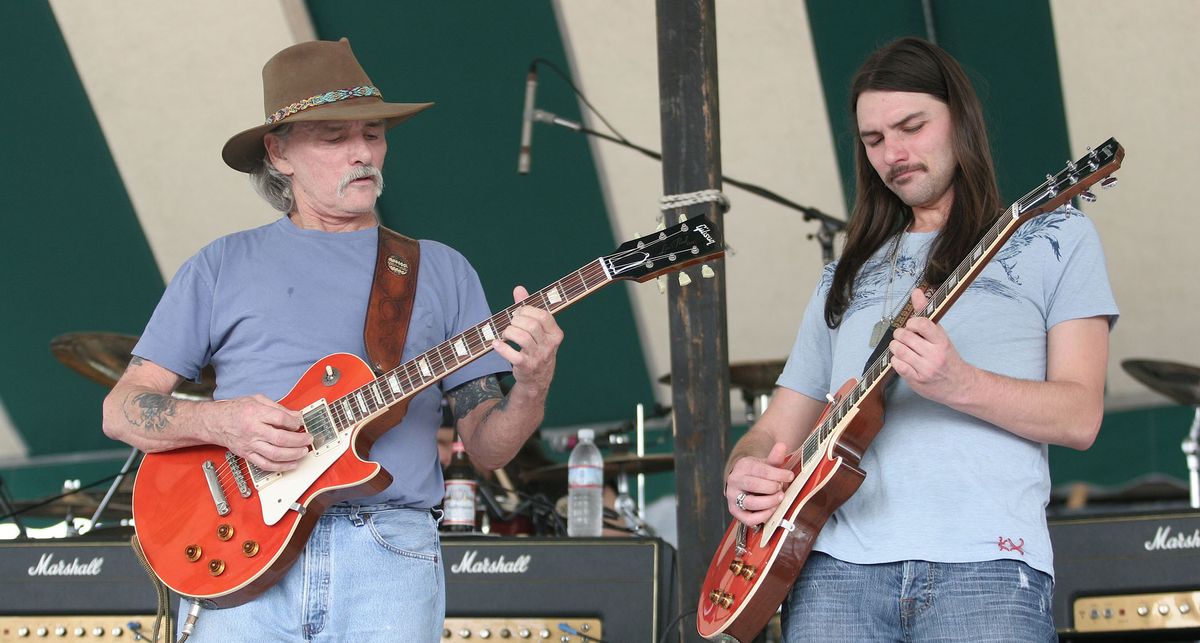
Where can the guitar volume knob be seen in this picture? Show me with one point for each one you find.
(250, 548)
(193, 552)
(224, 531)
(216, 567)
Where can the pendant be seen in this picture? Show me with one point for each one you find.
(878, 331)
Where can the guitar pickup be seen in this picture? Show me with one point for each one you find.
(319, 423)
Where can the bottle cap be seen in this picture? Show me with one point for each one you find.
(586, 434)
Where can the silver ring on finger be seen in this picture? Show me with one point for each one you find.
(741, 501)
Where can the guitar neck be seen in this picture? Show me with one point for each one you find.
(430, 367)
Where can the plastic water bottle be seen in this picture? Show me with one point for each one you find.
(585, 491)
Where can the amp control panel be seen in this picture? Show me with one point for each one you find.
(520, 630)
(1135, 612)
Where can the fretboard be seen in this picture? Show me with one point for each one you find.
(430, 367)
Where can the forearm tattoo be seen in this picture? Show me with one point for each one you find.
(473, 393)
(153, 411)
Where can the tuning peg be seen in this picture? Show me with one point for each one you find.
(707, 272)
(1108, 182)
(1088, 196)
(662, 284)
(684, 279)
(682, 217)
(661, 226)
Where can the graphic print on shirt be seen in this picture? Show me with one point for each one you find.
(870, 288)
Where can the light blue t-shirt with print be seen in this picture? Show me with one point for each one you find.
(263, 305)
(941, 485)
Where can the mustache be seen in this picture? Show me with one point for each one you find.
(361, 172)
(901, 169)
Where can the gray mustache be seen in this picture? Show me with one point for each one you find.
(361, 172)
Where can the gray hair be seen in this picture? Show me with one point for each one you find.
(271, 184)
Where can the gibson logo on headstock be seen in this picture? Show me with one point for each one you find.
(47, 566)
(468, 564)
(703, 230)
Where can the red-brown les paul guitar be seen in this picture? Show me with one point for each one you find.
(754, 568)
(216, 528)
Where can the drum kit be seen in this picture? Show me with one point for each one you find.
(102, 358)
(1179, 383)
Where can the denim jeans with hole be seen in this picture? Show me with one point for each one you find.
(997, 600)
(371, 573)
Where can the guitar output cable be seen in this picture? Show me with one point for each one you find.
(189, 625)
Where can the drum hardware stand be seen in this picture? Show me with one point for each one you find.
(1191, 450)
(624, 504)
(112, 489)
(7, 508)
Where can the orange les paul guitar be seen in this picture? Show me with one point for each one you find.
(216, 528)
(754, 567)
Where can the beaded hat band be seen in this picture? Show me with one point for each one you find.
(322, 99)
(296, 84)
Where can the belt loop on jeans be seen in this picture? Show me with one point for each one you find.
(356, 518)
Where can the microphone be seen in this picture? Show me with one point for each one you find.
(527, 120)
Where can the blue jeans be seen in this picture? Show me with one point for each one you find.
(997, 600)
(370, 573)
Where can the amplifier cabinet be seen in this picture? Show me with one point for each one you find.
(627, 584)
(77, 587)
(73, 576)
(1127, 573)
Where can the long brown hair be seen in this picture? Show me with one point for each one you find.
(915, 65)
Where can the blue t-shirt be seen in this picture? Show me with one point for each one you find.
(263, 305)
(941, 485)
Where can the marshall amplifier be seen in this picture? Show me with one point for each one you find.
(562, 589)
(76, 587)
(1120, 575)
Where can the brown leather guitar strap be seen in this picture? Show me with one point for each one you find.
(392, 292)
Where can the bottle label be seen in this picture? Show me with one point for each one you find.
(459, 503)
(583, 476)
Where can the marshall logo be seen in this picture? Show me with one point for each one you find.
(47, 566)
(703, 230)
(468, 564)
(1164, 540)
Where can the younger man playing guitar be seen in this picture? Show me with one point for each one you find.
(946, 539)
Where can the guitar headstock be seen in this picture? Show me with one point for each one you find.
(676, 247)
(1075, 179)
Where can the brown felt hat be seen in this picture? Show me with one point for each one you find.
(313, 81)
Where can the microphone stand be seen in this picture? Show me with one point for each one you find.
(829, 225)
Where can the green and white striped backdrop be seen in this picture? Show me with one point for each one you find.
(114, 114)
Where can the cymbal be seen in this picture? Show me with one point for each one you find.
(103, 357)
(752, 377)
(613, 465)
(1179, 382)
